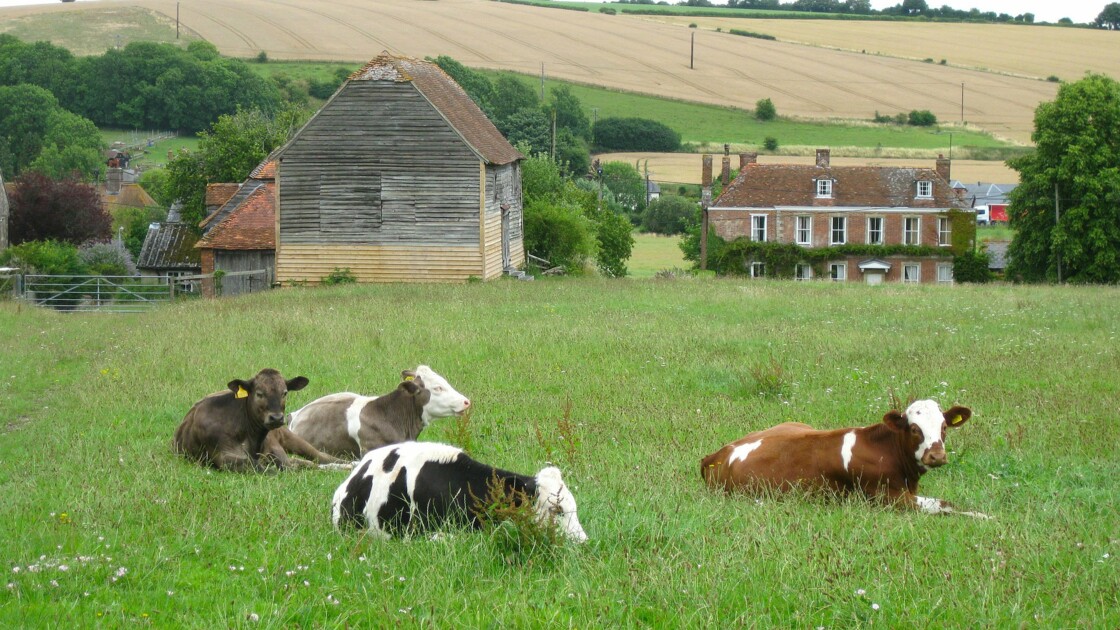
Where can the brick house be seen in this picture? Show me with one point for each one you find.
(239, 234)
(885, 224)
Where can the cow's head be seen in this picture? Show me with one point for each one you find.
(445, 401)
(266, 394)
(415, 390)
(923, 426)
(555, 503)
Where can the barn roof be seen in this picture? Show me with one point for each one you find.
(773, 185)
(249, 225)
(218, 194)
(169, 246)
(448, 98)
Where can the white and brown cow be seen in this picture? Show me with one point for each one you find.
(228, 429)
(410, 486)
(883, 461)
(350, 425)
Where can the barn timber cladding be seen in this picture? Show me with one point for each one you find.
(399, 177)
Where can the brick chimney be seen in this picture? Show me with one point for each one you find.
(823, 157)
(706, 173)
(943, 167)
(725, 172)
(747, 158)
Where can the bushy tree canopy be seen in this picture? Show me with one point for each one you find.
(66, 210)
(634, 134)
(1110, 17)
(1077, 156)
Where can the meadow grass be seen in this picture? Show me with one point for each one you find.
(94, 32)
(623, 384)
(653, 253)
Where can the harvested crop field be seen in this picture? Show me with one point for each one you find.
(624, 52)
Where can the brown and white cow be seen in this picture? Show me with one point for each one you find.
(350, 425)
(228, 429)
(883, 461)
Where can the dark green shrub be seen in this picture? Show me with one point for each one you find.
(262, 57)
(44, 257)
(972, 266)
(634, 134)
(921, 118)
(770, 143)
(765, 110)
(669, 214)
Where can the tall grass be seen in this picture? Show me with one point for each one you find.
(624, 385)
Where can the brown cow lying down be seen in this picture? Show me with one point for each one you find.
(227, 429)
(883, 461)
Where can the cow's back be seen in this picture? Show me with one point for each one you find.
(205, 427)
(331, 423)
(781, 456)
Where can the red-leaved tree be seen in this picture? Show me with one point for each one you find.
(43, 209)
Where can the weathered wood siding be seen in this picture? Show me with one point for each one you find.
(379, 263)
(244, 260)
(503, 186)
(378, 166)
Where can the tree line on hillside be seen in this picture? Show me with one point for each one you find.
(911, 8)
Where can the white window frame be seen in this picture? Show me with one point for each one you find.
(944, 273)
(882, 222)
(944, 232)
(911, 278)
(807, 229)
(917, 231)
(924, 189)
(824, 188)
(843, 231)
(838, 272)
(758, 269)
(803, 272)
(755, 227)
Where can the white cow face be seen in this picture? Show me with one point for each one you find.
(445, 400)
(927, 425)
(555, 502)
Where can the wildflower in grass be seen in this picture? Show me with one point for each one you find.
(54, 583)
(306, 583)
(63, 567)
(874, 606)
(16, 569)
(11, 585)
(254, 617)
(861, 592)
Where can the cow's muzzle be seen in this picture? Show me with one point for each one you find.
(275, 421)
(935, 457)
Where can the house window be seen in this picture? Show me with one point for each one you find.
(944, 232)
(758, 227)
(824, 187)
(839, 231)
(944, 273)
(925, 189)
(802, 272)
(911, 272)
(758, 269)
(838, 271)
(911, 231)
(874, 230)
(804, 230)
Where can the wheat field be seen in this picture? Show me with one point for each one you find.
(664, 58)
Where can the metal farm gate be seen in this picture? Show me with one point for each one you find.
(115, 294)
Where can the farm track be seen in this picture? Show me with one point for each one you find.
(638, 54)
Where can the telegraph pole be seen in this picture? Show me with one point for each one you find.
(1057, 217)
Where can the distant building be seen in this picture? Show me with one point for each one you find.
(169, 250)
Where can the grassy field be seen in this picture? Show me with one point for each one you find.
(149, 148)
(92, 32)
(653, 253)
(105, 527)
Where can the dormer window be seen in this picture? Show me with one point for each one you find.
(925, 189)
(824, 187)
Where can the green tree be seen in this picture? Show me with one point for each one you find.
(72, 144)
(569, 112)
(669, 214)
(1110, 17)
(475, 84)
(628, 186)
(512, 95)
(634, 134)
(1077, 159)
(764, 109)
(529, 127)
(24, 114)
(572, 153)
(914, 7)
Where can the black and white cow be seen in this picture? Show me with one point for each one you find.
(425, 484)
(350, 425)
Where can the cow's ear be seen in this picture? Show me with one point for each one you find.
(297, 383)
(408, 375)
(957, 416)
(240, 388)
(410, 386)
(895, 420)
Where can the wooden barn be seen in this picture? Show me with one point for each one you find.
(400, 177)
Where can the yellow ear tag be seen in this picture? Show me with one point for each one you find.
(241, 393)
(955, 420)
(409, 378)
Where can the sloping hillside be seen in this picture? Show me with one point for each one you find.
(630, 53)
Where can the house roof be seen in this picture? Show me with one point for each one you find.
(249, 225)
(263, 173)
(218, 194)
(773, 185)
(131, 195)
(448, 98)
(169, 246)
